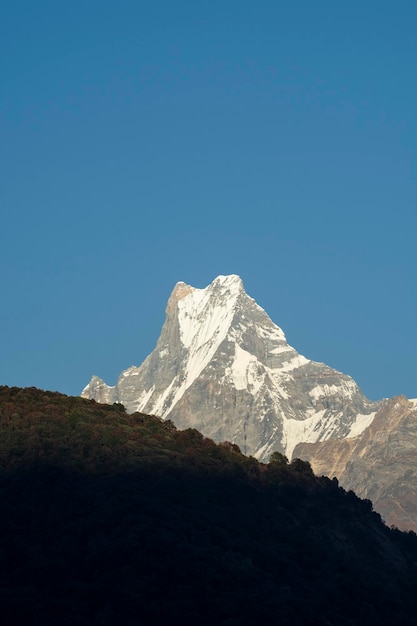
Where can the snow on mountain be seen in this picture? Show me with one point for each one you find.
(222, 366)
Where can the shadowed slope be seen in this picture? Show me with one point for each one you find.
(112, 518)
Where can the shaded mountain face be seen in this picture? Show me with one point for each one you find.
(113, 518)
(223, 367)
(380, 464)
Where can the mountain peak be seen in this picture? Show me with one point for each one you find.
(228, 285)
(205, 315)
(181, 290)
(230, 281)
(223, 366)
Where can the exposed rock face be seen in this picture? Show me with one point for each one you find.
(222, 366)
(379, 464)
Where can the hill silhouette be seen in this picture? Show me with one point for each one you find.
(108, 518)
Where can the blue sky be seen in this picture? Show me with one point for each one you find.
(144, 143)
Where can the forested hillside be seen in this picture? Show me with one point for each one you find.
(108, 518)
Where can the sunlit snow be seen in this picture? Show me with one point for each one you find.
(348, 387)
(244, 371)
(361, 422)
(144, 398)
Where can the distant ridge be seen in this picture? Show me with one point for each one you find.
(379, 464)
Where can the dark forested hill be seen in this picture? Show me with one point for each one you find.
(108, 518)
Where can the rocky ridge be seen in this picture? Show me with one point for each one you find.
(380, 464)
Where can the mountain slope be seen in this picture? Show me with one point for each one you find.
(380, 464)
(222, 366)
(109, 518)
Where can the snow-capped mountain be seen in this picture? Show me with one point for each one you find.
(223, 367)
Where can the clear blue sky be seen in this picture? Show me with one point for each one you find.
(144, 143)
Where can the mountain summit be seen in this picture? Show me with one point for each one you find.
(222, 366)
